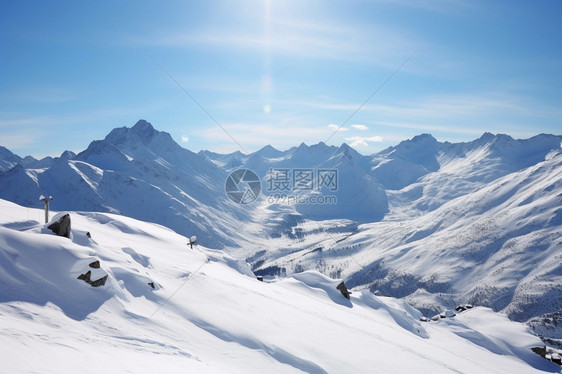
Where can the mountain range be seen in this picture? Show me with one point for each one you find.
(436, 223)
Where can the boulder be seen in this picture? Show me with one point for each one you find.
(463, 307)
(343, 289)
(551, 354)
(61, 226)
(94, 283)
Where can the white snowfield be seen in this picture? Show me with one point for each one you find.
(207, 312)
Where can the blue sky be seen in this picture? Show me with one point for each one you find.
(278, 72)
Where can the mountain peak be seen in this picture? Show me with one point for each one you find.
(345, 150)
(143, 129)
(269, 152)
(67, 155)
(8, 159)
(487, 136)
(344, 146)
(6, 154)
(423, 138)
(419, 143)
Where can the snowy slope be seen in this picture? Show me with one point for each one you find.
(499, 246)
(208, 313)
(480, 223)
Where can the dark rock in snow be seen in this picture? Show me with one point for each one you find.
(94, 283)
(550, 354)
(61, 227)
(95, 265)
(462, 308)
(343, 289)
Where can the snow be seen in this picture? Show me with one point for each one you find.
(483, 229)
(434, 224)
(208, 313)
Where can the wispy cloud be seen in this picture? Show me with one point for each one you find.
(337, 128)
(360, 127)
(296, 38)
(15, 141)
(455, 112)
(441, 6)
(49, 95)
(363, 141)
(21, 132)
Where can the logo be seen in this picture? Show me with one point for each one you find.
(243, 186)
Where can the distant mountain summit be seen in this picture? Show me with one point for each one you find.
(7, 159)
(141, 132)
(143, 141)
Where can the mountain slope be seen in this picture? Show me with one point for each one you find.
(139, 172)
(499, 246)
(207, 313)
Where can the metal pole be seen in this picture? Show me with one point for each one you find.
(46, 200)
(46, 210)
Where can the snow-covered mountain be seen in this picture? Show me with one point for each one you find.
(167, 308)
(499, 246)
(435, 223)
(139, 172)
(475, 222)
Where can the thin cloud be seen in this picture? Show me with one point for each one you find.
(184, 139)
(337, 128)
(50, 95)
(440, 6)
(363, 141)
(17, 141)
(360, 127)
(451, 110)
(300, 38)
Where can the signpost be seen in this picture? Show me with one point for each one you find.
(46, 200)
